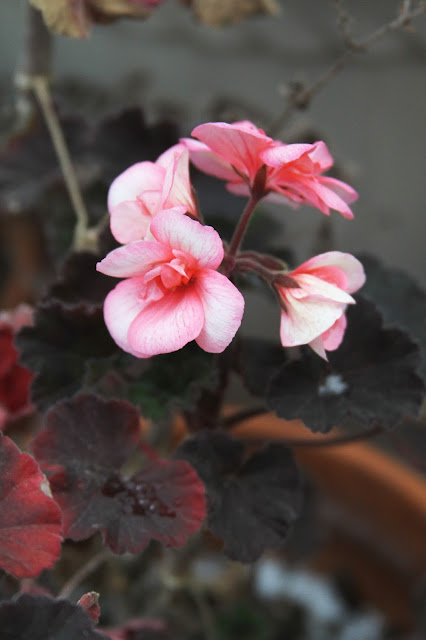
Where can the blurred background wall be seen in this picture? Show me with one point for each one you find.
(372, 114)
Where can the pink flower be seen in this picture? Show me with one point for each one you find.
(146, 188)
(313, 312)
(15, 380)
(249, 160)
(172, 293)
(231, 152)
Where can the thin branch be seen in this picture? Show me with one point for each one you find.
(34, 60)
(243, 414)
(300, 96)
(41, 89)
(83, 572)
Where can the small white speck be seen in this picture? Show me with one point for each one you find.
(333, 385)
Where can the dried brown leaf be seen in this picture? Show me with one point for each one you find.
(74, 18)
(217, 13)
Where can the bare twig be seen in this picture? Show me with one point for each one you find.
(241, 415)
(301, 96)
(82, 235)
(35, 60)
(83, 572)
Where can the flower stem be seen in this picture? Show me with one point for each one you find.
(242, 225)
(83, 572)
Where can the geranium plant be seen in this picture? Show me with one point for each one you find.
(133, 346)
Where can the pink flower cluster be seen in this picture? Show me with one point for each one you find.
(248, 160)
(315, 298)
(172, 292)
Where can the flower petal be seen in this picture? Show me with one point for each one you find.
(317, 289)
(281, 154)
(306, 319)
(167, 324)
(134, 259)
(129, 222)
(331, 197)
(239, 143)
(223, 310)
(352, 267)
(121, 307)
(177, 189)
(207, 161)
(332, 338)
(181, 232)
(137, 178)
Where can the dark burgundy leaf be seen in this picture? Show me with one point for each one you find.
(42, 618)
(30, 521)
(80, 282)
(124, 139)
(29, 165)
(86, 442)
(172, 380)
(399, 298)
(61, 348)
(371, 378)
(252, 501)
(258, 360)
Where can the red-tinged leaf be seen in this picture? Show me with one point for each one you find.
(15, 380)
(41, 618)
(141, 629)
(90, 603)
(86, 442)
(30, 521)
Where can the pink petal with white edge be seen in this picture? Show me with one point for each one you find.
(306, 319)
(223, 309)
(134, 259)
(128, 222)
(352, 267)
(121, 307)
(317, 345)
(315, 288)
(284, 153)
(177, 189)
(168, 324)
(239, 143)
(207, 161)
(180, 232)
(332, 338)
(132, 182)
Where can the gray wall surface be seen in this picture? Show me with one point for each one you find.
(372, 114)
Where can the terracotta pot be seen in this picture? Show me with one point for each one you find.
(376, 507)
